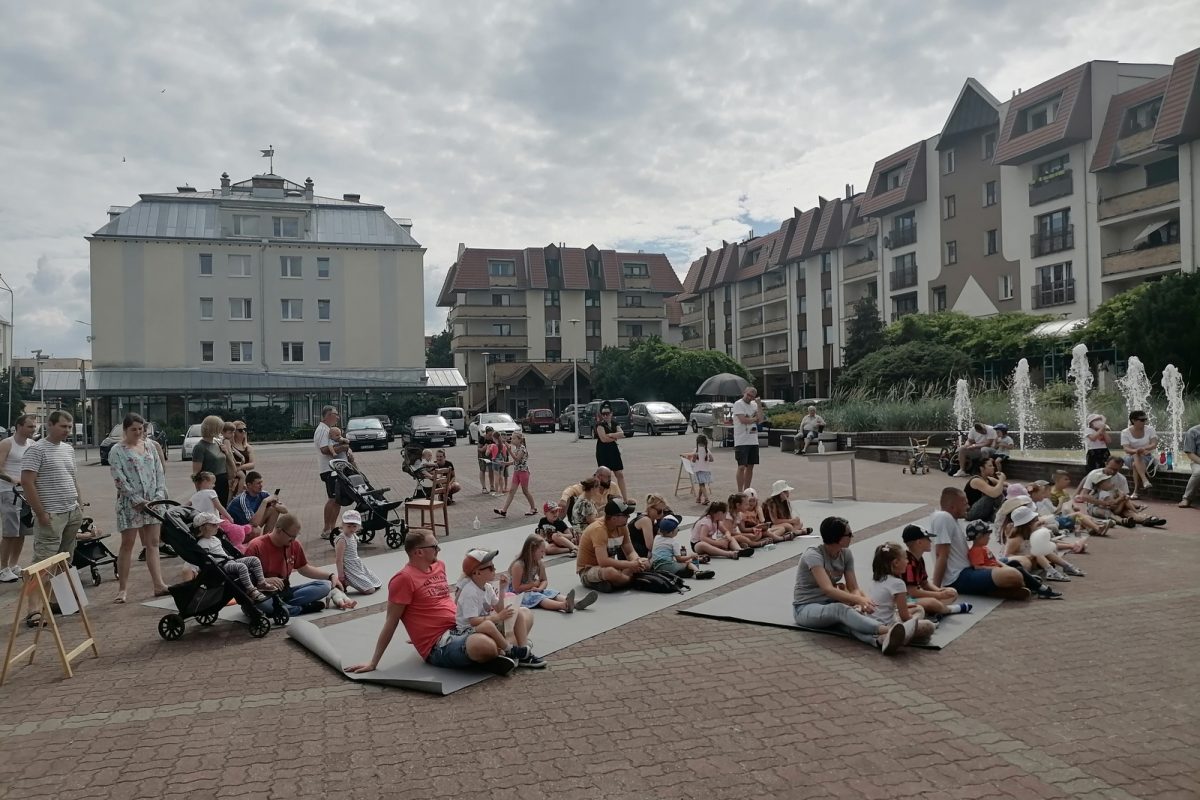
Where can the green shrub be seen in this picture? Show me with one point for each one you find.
(905, 365)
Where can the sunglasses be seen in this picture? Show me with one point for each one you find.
(434, 547)
(240, 430)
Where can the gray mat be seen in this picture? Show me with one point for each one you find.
(769, 601)
(353, 642)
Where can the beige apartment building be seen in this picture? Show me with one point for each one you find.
(516, 315)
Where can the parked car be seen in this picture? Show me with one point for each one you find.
(457, 418)
(494, 420)
(429, 430)
(367, 433)
(189, 441)
(655, 418)
(566, 420)
(117, 433)
(705, 414)
(539, 420)
(589, 413)
(386, 421)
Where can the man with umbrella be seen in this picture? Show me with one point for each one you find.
(747, 414)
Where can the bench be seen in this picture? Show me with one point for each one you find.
(828, 437)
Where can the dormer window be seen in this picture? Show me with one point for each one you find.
(893, 178)
(1041, 115)
(1142, 117)
(632, 270)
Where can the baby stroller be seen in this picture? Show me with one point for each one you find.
(917, 457)
(90, 552)
(378, 513)
(203, 597)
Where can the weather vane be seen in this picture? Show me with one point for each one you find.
(270, 153)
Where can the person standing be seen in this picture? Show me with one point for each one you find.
(747, 413)
(1191, 449)
(140, 478)
(327, 450)
(48, 478)
(209, 455)
(243, 454)
(12, 533)
(608, 453)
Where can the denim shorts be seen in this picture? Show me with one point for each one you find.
(451, 650)
(1129, 459)
(974, 581)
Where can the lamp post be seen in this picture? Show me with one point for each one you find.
(38, 358)
(12, 324)
(487, 399)
(575, 379)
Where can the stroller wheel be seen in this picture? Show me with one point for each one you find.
(260, 627)
(206, 619)
(904, 470)
(280, 617)
(170, 627)
(394, 538)
(95, 577)
(366, 536)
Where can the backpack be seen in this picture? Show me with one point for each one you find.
(658, 582)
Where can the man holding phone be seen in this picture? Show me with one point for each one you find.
(255, 507)
(747, 413)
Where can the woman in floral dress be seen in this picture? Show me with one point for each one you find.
(138, 472)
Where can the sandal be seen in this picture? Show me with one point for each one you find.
(498, 512)
(531, 512)
(1127, 522)
(120, 598)
(705, 559)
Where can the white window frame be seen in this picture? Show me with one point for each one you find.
(502, 329)
(323, 274)
(633, 269)
(285, 267)
(587, 328)
(827, 298)
(244, 262)
(206, 259)
(950, 206)
(279, 223)
(502, 269)
(324, 310)
(241, 226)
(244, 307)
(243, 350)
(1006, 287)
(803, 339)
(633, 301)
(948, 162)
(290, 350)
(987, 153)
(324, 352)
(987, 244)
(995, 196)
(206, 302)
(291, 309)
(803, 304)
(206, 346)
(553, 328)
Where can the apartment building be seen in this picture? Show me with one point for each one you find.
(549, 305)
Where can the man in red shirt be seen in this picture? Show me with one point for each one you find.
(420, 597)
(281, 555)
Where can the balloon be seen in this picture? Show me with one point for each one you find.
(1040, 543)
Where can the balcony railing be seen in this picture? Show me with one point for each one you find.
(1045, 189)
(1140, 200)
(902, 237)
(488, 312)
(904, 312)
(502, 280)
(902, 278)
(765, 359)
(482, 341)
(1134, 143)
(1146, 258)
(774, 293)
(1043, 244)
(641, 312)
(1053, 293)
(866, 268)
(636, 283)
(862, 230)
(695, 343)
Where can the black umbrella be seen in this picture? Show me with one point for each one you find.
(723, 385)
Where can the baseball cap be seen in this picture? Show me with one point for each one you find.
(478, 558)
(1000, 426)
(205, 518)
(1040, 483)
(352, 516)
(977, 527)
(669, 523)
(548, 507)
(617, 507)
(913, 532)
(1023, 515)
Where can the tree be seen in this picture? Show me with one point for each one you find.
(864, 333)
(651, 369)
(438, 354)
(1162, 327)
(18, 403)
(1107, 324)
(914, 365)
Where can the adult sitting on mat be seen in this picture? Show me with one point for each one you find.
(607, 560)
(281, 555)
(421, 598)
(985, 490)
(644, 527)
(602, 479)
(952, 564)
(826, 594)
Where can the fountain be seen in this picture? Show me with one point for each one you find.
(1081, 373)
(1135, 388)
(1023, 403)
(964, 413)
(1172, 384)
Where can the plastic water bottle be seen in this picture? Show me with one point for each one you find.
(1170, 459)
(820, 446)
(475, 524)
(849, 442)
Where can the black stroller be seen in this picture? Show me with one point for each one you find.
(203, 597)
(90, 551)
(378, 513)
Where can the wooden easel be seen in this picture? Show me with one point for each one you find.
(37, 576)
(688, 468)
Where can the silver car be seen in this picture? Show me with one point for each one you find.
(705, 414)
(366, 433)
(189, 441)
(656, 418)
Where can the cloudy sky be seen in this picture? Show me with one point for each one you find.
(658, 125)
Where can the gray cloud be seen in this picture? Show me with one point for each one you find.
(657, 124)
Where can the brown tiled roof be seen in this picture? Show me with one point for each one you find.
(694, 273)
(1179, 117)
(446, 296)
(674, 311)
(549, 371)
(974, 110)
(610, 268)
(854, 216)
(769, 246)
(829, 231)
(536, 258)
(728, 266)
(574, 268)
(471, 270)
(802, 234)
(1073, 123)
(879, 200)
(662, 274)
(1114, 119)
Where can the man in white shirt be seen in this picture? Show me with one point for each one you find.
(952, 567)
(12, 532)
(747, 413)
(327, 450)
(1191, 449)
(811, 426)
(981, 443)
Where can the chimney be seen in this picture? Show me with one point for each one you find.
(224, 184)
(308, 189)
(403, 222)
(849, 190)
(462, 248)
(352, 198)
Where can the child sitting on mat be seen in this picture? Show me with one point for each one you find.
(529, 583)
(890, 596)
(481, 608)
(933, 599)
(737, 525)
(672, 557)
(351, 570)
(246, 571)
(558, 535)
(709, 539)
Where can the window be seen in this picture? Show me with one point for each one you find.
(552, 327)
(904, 304)
(1054, 233)
(286, 227)
(591, 299)
(633, 301)
(803, 339)
(324, 310)
(502, 269)
(551, 297)
(826, 262)
(991, 242)
(827, 298)
(324, 352)
(592, 327)
(502, 299)
(241, 352)
(1160, 172)
(592, 356)
(239, 266)
(322, 267)
(206, 308)
(554, 356)
(947, 162)
(635, 331)
(1055, 273)
(939, 298)
(827, 334)
(893, 178)
(952, 252)
(291, 309)
(1054, 223)
(1142, 117)
(950, 206)
(593, 267)
(1006, 287)
(206, 352)
(240, 308)
(1052, 168)
(632, 270)
(1041, 115)
(803, 304)
(290, 266)
(293, 352)
(502, 328)
(244, 225)
(904, 221)
(989, 145)
(753, 256)
(991, 194)
(553, 268)
(206, 264)
(906, 261)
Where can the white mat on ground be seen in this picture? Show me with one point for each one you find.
(353, 642)
(769, 601)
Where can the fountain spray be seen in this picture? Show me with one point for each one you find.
(1135, 388)
(964, 413)
(1172, 383)
(1081, 373)
(1023, 403)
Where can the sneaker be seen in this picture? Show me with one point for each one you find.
(705, 574)
(959, 474)
(967, 608)
(500, 665)
(1074, 571)
(891, 641)
(313, 607)
(570, 601)
(585, 601)
(8, 576)
(1057, 575)
(532, 662)
(910, 629)
(746, 552)
(142, 555)
(519, 652)
(1046, 593)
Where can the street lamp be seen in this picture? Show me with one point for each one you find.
(487, 399)
(575, 378)
(38, 358)
(12, 325)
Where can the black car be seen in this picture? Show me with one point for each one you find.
(429, 430)
(566, 420)
(386, 421)
(117, 433)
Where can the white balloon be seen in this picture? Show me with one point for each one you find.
(1040, 543)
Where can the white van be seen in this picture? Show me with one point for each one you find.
(457, 418)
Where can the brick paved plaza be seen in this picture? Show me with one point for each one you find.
(1095, 696)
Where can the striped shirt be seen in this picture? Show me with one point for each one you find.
(55, 468)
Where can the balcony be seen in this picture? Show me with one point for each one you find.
(1053, 293)
(516, 341)
(502, 280)
(754, 330)
(692, 318)
(641, 312)
(867, 268)
(902, 278)
(896, 315)
(629, 341)
(1045, 189)
(901, 237)
(695, 343)
(1140, 200)
(636, 283)
(772, 293)
(488, 312)
(1134, 260)
(1043, 244)
(1134, 143)
(863, 230)
(765, 359)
